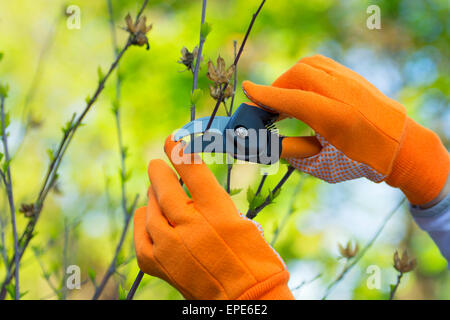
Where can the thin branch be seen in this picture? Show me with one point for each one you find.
(2, 236)
(199, 58)
(258, 190)
(251, 214)
(236, 60)
(397, 284)
(127, 212)
(47, 275)
(135, 285)
(234, 79)
(113, 265)
(65, 260)
(350, 265)
(51, 175)
(305, 282)
(9, 190)
(261, 184)
(230, 112)
(229, 168)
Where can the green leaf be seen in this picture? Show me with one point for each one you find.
(125, 152)
(23, 293)
(273, 195)
(391, 288)
(10, 289)
(205, 29)
(196, 95)
(254, 201)
(1, 156)
(7, 121)
(50, 154)
(1, 55)
(122, 293)
(126, 177)
(250, 195)
(4, 89)
(275, 227)
(115, 107)
(92, 274)
(67, 127)
(120, 259)
(258, 201)
(234, 192)
(87, 99)
(100, 74)
(5, 165)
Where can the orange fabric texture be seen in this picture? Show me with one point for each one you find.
(202, 246)
(363, 133)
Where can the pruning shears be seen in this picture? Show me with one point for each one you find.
(249, 135)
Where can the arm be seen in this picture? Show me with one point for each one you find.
(434, 218)
(362, 133)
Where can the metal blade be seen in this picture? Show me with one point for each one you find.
(208, 142)
(199, 126)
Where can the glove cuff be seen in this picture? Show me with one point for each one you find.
(274, 288)
(422, 165)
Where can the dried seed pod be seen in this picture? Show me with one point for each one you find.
(138, 30)
(349, 251)
(214, 91)
(187, 58)
(228, 92)
(404, 264)
(28, 210)
(219, 74)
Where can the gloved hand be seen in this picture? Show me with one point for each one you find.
(203, 246)
(362, 132)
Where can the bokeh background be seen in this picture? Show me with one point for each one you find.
(51, 69)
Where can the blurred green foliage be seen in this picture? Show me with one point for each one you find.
(50, 70)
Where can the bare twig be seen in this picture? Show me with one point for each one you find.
(127, 212)
(230, 112)
(350, 265)
(51, 175)
(9, 190)
(135, 285)
(251, 214)
(199, 58)
(46, 275)
(236, 60)
(397, 284)
(234, 79)
(113, 265)
(305, 282)
(3, 242)
(65, 259)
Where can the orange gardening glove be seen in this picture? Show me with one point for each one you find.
(362, 132)
(203, 246)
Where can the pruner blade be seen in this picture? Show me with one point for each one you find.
(245, 136)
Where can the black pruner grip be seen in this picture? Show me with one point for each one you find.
(249, 135)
